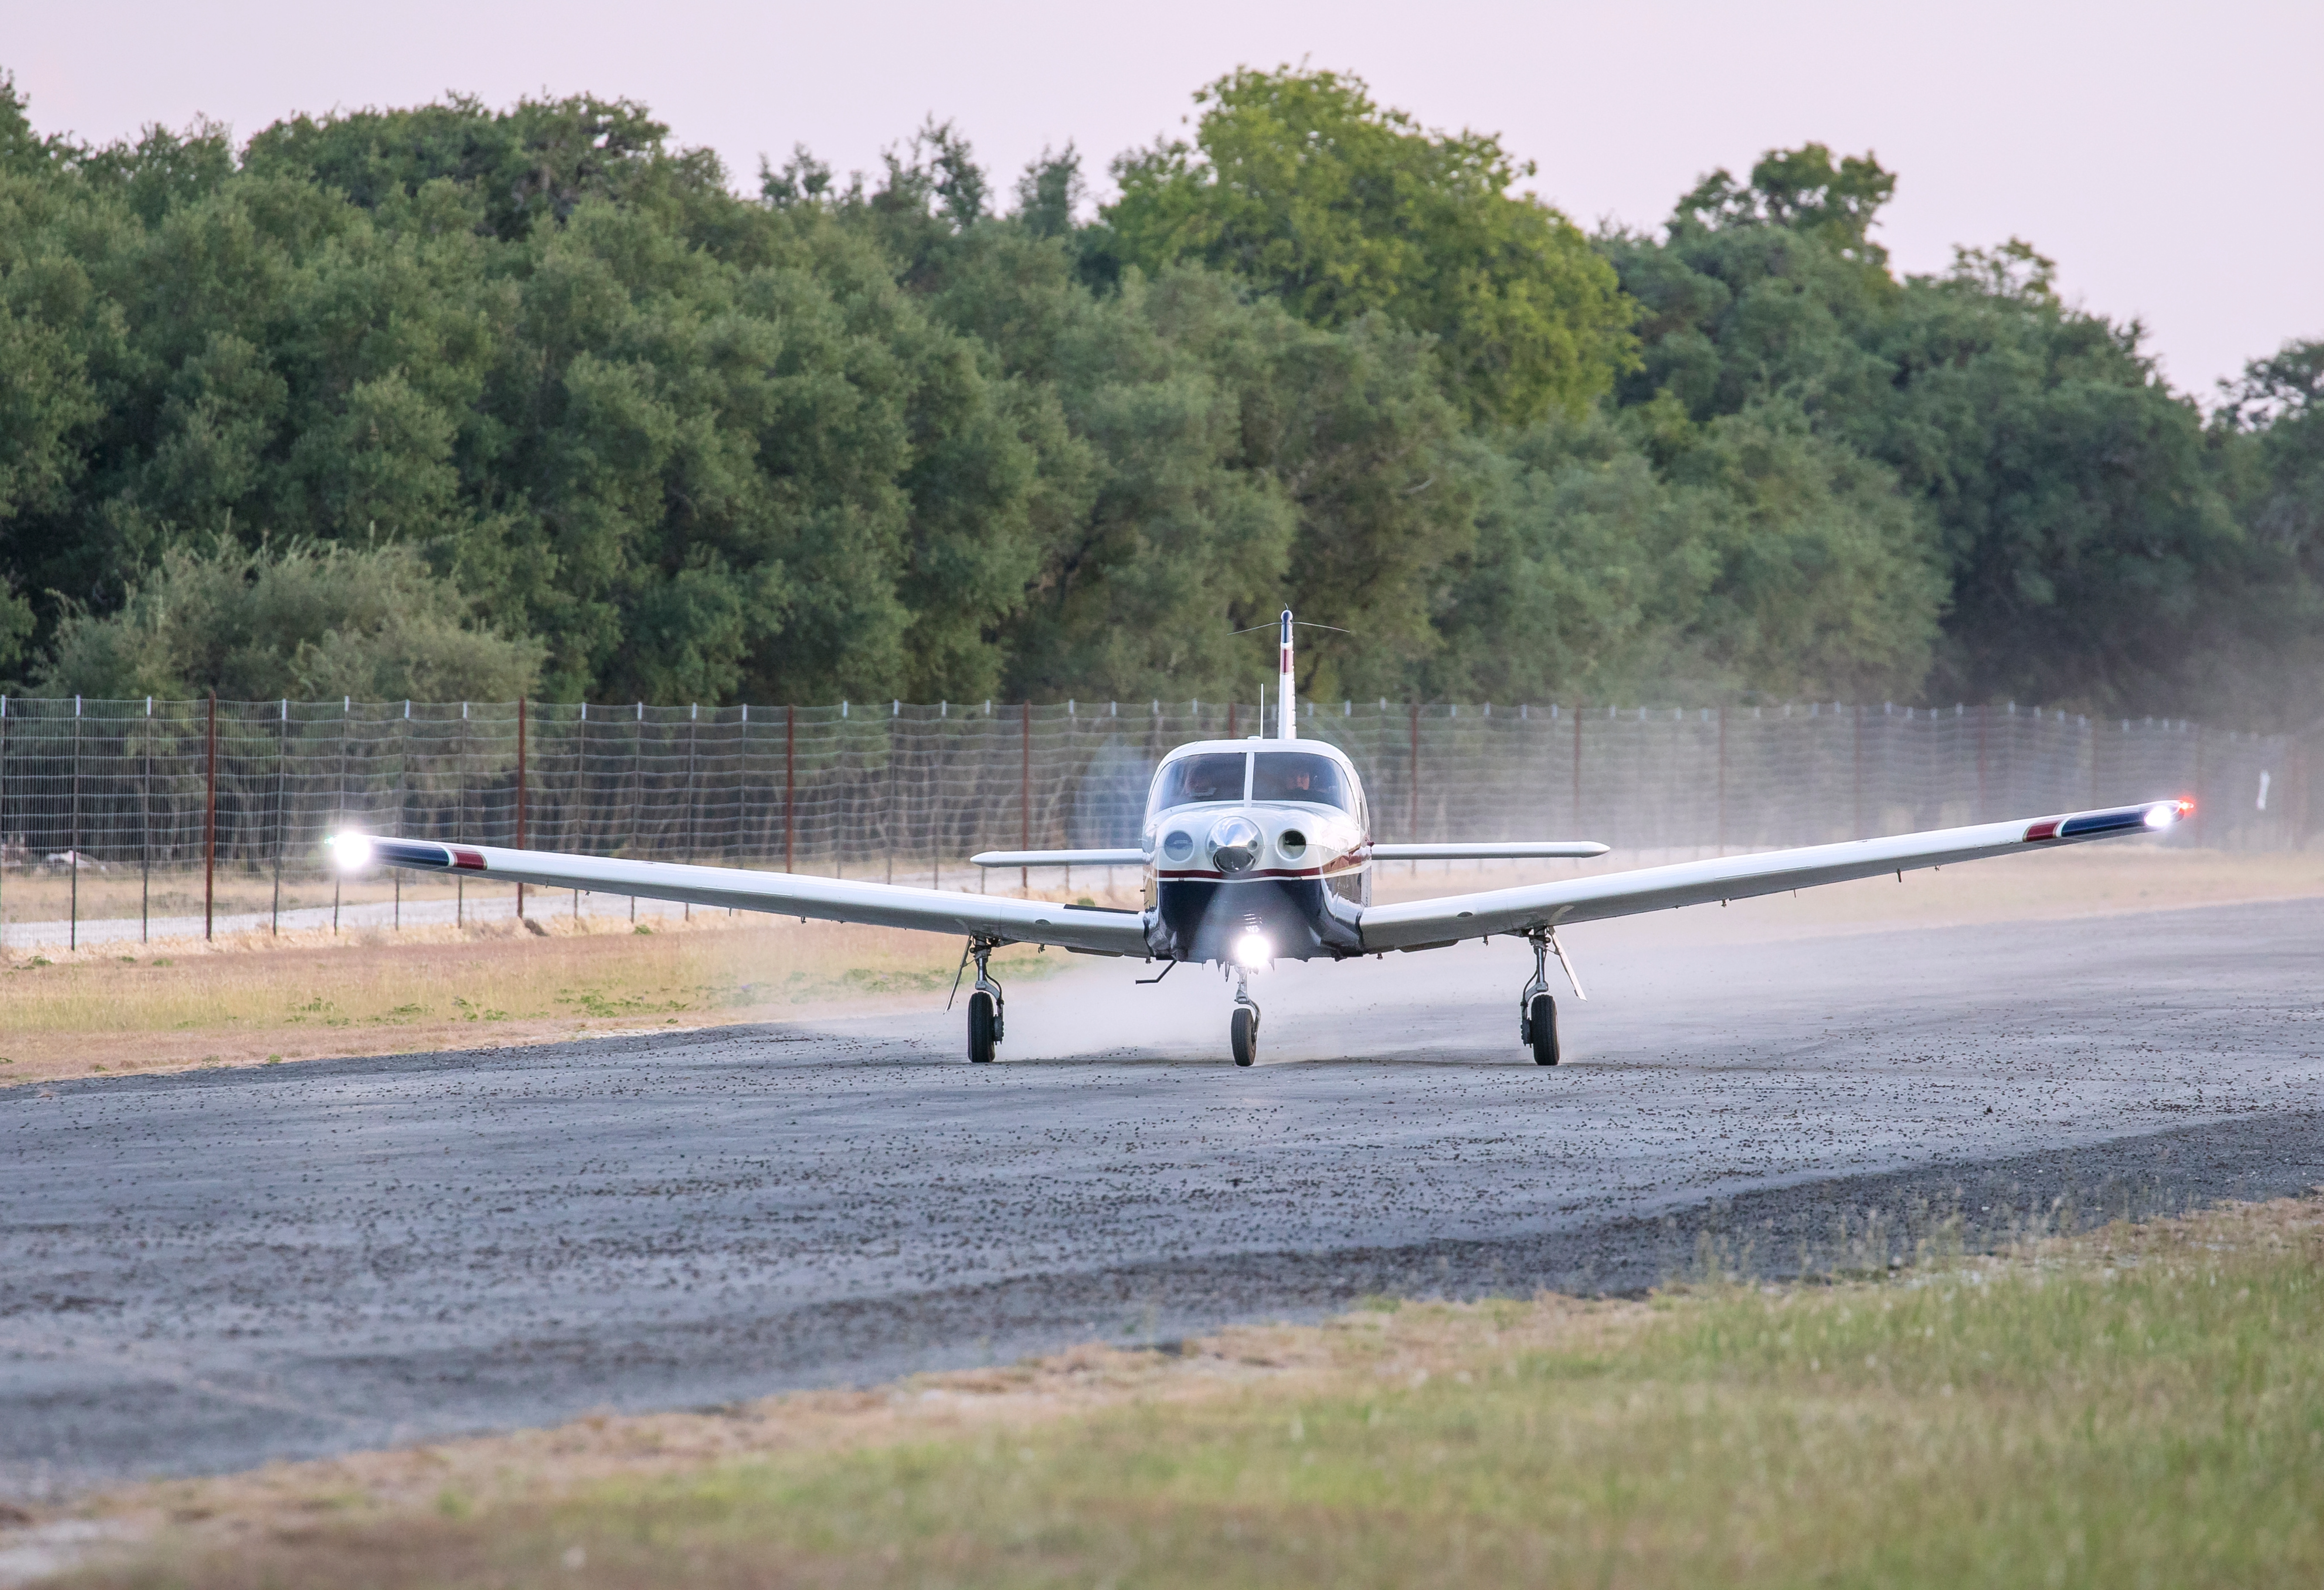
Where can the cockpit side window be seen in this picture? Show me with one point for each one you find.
(1300, 775)
(1191, 781)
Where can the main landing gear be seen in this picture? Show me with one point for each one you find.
(985, 1007)
(1536, 1010)
(1242, 1032)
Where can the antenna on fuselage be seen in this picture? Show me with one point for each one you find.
(1286, 716)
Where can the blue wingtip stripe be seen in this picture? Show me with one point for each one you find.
(2104, 822)
(407, 853)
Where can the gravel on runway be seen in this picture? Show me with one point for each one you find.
(202, 1272)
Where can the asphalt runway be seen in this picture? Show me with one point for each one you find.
(204, 1271)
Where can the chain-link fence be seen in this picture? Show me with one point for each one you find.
(249, 792)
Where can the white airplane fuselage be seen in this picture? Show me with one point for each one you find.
(1257, 850)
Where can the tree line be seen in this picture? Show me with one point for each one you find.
(464, 402)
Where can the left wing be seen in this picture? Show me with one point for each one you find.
(1427, 924)
(1093, 929)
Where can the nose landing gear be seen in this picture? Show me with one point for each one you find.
(1242, 1032)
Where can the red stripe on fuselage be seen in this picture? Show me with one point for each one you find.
(466, 860)
(2047, 829)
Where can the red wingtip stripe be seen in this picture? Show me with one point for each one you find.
(467, 860)
(2047, 829)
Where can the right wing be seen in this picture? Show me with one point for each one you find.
(1427, 924)
(1093, 928)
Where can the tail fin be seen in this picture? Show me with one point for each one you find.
(1287, 703)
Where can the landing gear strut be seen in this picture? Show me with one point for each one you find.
(1536, 1010)
(1242, 1032)
(985, 1007)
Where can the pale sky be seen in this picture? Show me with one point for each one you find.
(2165, 155)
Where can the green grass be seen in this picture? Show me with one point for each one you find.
(2147, 1409)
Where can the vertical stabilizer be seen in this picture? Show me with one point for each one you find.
(1287, 700)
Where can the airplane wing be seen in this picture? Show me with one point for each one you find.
(1430, 924)
(1493, 850)
(1090, 929)
(1058, 858)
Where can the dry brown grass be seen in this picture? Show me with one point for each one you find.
(255, 999)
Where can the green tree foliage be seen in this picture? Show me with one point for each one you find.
(1298, 183)
(2089, 550)
(609, 429)
(304, 622)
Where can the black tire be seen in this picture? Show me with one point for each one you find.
(982, 1023)
(1244, 1034)
(1543, 1021)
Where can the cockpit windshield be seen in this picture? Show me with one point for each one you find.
(1300, 775)
(1192, 780)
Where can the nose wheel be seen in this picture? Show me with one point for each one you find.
(1243, 1031)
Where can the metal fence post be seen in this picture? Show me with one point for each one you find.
(1983, 713)
(2200, 802)
(1025, 789)
(72, 925)
(4, 828)
(1577, 769)
(459, 880)
(791, 781)
(1722, 778)
(1857, 753)
(520, 797)
(145, 834)
(1412, 794)
(347, 707)
(402, 800)
(281, 793)
(693, 829)
(209, 828)
(637, 784)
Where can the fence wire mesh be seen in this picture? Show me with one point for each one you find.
(903, 792)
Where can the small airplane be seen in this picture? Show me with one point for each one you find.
(1261, 850)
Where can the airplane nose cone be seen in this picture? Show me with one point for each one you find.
(1234, 844)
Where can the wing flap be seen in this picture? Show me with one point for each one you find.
(792, 894)
(1420, 923)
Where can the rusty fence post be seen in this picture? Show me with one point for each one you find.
(1025, 790)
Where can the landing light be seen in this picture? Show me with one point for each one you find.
(2165, 813)
(1253, 951)
(350, 850)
